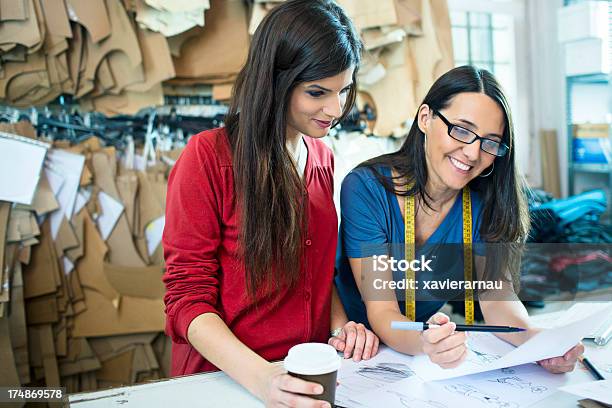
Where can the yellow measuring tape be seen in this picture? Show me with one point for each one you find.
(409, 217)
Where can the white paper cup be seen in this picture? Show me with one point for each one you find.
(315, 362)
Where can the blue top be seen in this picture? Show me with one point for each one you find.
(372, 224)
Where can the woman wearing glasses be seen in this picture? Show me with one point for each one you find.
(451, 187)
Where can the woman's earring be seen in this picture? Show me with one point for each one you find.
(489, 173)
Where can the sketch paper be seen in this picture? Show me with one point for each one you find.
(392, 379)
(387, 367)
(600, 356)
(514, 387)
(489, 355)
(484, 349)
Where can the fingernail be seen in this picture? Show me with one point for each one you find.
(318, 389)
(325, 405)
(366, 356)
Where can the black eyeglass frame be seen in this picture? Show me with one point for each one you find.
(502, 146)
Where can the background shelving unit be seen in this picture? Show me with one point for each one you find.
(595, 168)
(583, 170)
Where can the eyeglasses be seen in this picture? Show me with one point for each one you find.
(464, 135)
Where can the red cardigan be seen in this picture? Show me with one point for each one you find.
(203, 274)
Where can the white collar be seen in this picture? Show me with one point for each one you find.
(302, 158)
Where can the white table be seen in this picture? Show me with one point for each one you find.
(213, 390)
(201, 390)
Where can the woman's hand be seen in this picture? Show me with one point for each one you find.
(564, 363)
(357, 341)
(279, 389)
(443, 345)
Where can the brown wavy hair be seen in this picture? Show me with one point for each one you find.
(298, 41)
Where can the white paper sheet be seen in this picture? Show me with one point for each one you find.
(515, 387)
(153, 233)
(580, 309)
(69, 166)
(111, 211)
(486, 350)
(355, 379)
(574, 313)
(56, 181)
(596, 390)
(546, 344)
(82, 199)
(68, 265)
(601, 358)
(21, 160)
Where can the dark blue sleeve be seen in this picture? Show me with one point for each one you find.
(363, 225)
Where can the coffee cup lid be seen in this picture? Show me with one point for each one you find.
(312, 359)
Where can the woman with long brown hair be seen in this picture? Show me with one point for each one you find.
(451, 199)
(251, 227)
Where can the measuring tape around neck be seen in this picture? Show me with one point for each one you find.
(410, 248)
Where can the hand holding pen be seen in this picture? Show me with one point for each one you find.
(436, 347)
(443, 344)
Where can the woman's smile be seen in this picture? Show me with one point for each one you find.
(322, 123)
(460, 166)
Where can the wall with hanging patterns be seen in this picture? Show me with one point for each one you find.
(80, 261)
(118, 57)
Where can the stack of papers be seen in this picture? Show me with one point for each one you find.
(600, 391)
(495, 373)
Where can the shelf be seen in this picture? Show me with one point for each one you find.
(592, 167)
(589, 79)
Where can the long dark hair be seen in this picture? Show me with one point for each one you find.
(505, 217)
(298, 41)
